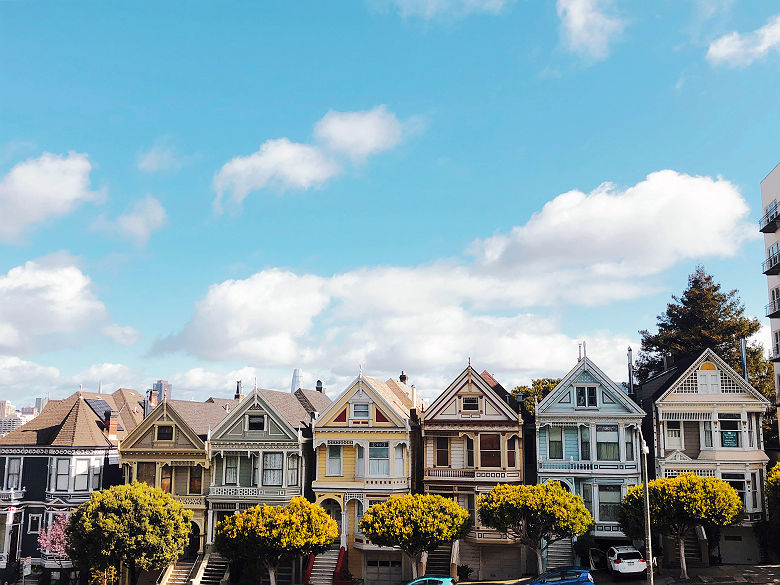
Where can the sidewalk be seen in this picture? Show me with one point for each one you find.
(720, 575)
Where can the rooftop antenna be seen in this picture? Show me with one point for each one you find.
(630, 372)
(255, 382)
(579, 352)
(584, 350)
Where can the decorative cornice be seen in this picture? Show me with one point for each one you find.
(58, 451)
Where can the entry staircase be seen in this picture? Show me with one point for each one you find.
(439, 560)
(560, 554)
(324, 566)
(215, 570)
(181, 573)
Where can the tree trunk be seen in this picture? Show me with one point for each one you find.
(683, 564)
(271, 575)
(132, 574)
(415, 562)
(538, 552)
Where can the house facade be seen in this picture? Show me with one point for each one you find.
(587, 434)
(706, 419)
(473, 440)
(53, 463)
(261, 452)
(363, 451)
(169, 450)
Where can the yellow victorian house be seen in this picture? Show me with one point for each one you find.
(363, 443)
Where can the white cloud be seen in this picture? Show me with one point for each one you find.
(43, 188)
(740, 50)
(49, 303)
(447, 8)
(160, 157)
(123, 335)
(279, 163)
(580, 249)
(587, 28)
(640, 230)
(359, 134)
(137, 223)
(285, 165)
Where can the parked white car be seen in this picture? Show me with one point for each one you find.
(625, 560)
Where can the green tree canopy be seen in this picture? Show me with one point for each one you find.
(268, 535)
(139, 526)
(534, 393)
(535, 514)
(414, 523)
(707, 317)
(679, 503)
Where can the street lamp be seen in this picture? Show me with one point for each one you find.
(645, 480)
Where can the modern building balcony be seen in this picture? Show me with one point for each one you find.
(769, 223)
(772, 310)
(12, 495)
(587, 467)
(771, 265)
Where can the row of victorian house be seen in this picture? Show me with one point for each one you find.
(376, 440)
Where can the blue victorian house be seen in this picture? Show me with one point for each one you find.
(587, 432)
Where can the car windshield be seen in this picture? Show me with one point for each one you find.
(629, 556)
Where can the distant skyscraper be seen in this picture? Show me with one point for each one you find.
(297, 380)
(6, 408)
(163, 389)
(40, 403)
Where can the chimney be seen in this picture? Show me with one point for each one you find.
(403, 377)
(630, 356)
(320, 387)
(239, 395)
(743, 351)
(110, 423)
(579, 350)
(414, 396)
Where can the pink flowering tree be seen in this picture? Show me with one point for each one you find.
(53, 539)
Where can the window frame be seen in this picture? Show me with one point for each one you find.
(280, 457)
(65, 475)
(329, 471)
(293, 465)
(586, 388)
(609, 488)
(438, 450)
(39, 518)
(550, 443)
(483, 450)
(18, 473)
(385, 461)
(261, 417)
(164, 426)
(668, 436)
(729, 418)
(166, 476)
(85, 475)
(226, 467)
(463, 403)
(361, 416)
(190, 491)
(616, 442)
(153, 466)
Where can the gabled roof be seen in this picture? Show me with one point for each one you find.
(661, 385)
(488, 385)
(202, 416)
(394, 395)
(585, 364)
(194, 413)
(72, 422)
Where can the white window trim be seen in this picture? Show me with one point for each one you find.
(71, 469)
(76, 462)
(354, 414)
(666, 436)
(265, 422)
(478, 410)
(165, 424)
(238, 469)
(21, 471)
(586, 386)
(29, 522)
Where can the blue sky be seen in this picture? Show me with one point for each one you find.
(210, 191)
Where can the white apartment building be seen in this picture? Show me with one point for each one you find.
(770, 226)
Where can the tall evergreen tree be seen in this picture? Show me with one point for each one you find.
(705, 316)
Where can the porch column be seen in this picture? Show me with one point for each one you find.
(344, 527)
(210, 527)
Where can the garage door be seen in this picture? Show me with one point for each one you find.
(383, 569)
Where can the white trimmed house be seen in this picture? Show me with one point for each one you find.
(706, 419)
(587, 433)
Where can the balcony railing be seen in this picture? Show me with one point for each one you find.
(558, 465)
(234, 491)
(447, 473)
(771, 219)
(194, 501)
(771, 265)
(772, 310)
(11, 495)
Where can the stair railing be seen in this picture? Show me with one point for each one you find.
(201, 569)
(341, 567)
(307, 571)
(192, 568)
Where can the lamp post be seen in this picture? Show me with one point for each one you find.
(645, 480)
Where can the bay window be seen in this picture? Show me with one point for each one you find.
(256, 470)
(673, 434)
(62, 475)
(587, 496)
(378, 458)
(585, 443)
(730, 433)
(81, 478)
(629, 444)
(273, 468)
(707, 433)
(398, 458)
(292, 470)
(14, 479)
(490, 450)
(609, 503)
(607, 443)
(360, 461)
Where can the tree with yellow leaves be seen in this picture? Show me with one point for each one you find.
(535, 515)
(677, 504)
(268, 535)
(414, 523)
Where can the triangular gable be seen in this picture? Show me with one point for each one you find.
(254, 402)
(335, 415)
(445, 402)
(708, 355)
(163, 410)
(587, 372)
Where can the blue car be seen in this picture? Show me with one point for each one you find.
(564, 576)
(433, 580)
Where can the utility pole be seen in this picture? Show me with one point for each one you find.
(645, 481)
